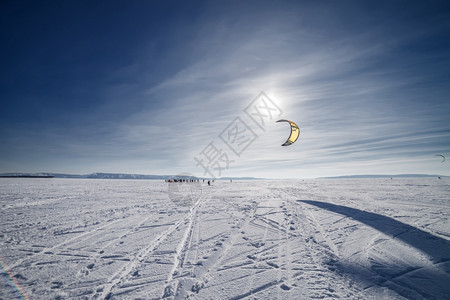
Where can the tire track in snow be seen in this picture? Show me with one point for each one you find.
(35, 203)
(268, 225)
(257, 260)
(319, 277)
(256, 290)
(330, 250)
(183, 288)
(140, 256)
(275, 226)
(250, 216)
(198, 238)
(396, 283)
(63, 243)
(180, 257)
(287, 279)
(323, 252)
(202, 272)
(280, 255)
(100, 252)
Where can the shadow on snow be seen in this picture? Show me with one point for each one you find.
(413, 282)
(437, 248)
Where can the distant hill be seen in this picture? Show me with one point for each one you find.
(125, 176)
(26, 176)
(165, 177)
(383, 176)
(110, 176)
(87, 176)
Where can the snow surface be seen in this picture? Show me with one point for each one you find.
(131, 239)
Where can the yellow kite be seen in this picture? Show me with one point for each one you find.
(295, 132)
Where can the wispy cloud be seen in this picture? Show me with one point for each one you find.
(368, 99)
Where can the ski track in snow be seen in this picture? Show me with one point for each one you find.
(311, 239)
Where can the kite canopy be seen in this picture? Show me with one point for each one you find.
(295, 132)
(443, 157)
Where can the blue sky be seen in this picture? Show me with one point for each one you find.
(146, 86)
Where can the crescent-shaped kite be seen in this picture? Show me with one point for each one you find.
(443, 157)
(295, 132)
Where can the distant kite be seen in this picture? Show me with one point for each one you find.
(295, 132)
(443, 157)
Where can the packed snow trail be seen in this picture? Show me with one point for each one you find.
(311, 239)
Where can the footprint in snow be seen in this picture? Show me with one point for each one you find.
(257, 244)
(20, 277)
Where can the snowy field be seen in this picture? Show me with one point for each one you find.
(311, 239)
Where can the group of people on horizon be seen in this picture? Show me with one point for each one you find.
(190, 180)
(182, 180)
